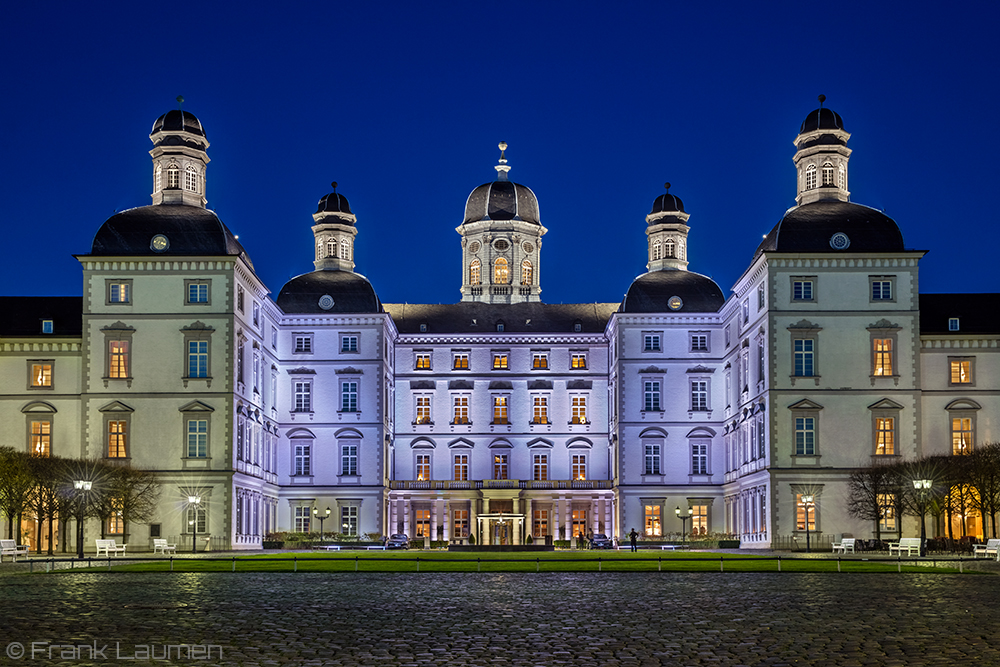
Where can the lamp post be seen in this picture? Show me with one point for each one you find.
(923, 487)
(806, 502)
(195, 502)
(683, 518)
(322, 518)
(82, 487)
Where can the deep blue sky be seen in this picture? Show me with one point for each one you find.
(404, 103)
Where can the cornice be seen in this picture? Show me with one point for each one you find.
(486, 339)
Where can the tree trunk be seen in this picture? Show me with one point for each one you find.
(50, 550)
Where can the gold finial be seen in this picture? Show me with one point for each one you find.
(502, 146)
(502, 167)
(180, 101)
(821, 98)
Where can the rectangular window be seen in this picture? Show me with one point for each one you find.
(302, 518)
(961, 435)
(953, 324)
(802, 290)
(423, 467)
(239, 298)
(348, 343)
(303, 396)
(500, 466)
(803, 508)
(461, 362)
(41, 374)
(652, 466)
(540, 413)
(197, 359)
(805, 436)
(699, 395)
(500, 410)
(461, 523)
(653, 527)
(116, 439)
(423, 410)
(699, 519)
(422, 523)
(728, 335)
(303, 345)
(349, 458)
(40, 442)
(539, 361)
(652, 395)
(961, 371)
(579, 407)
(197, 438)
(578, 466)
(699, 342)
(578, 360)
(887, 512)
(699, 458)
(651, 342)
(423, 361)
(119, 292)
(349, 520)
(500, 361)
(461, 467)
(48, 326)
(746, 312)
(540, 467)
(461, 412)
(274, 338)
(116, 522)
(760, 297)
(118, 366)
(804, 357)
(303, 459)
(881, 290)
(256, 314)
(579, 519)
(349, 396)
(540, 523)
(885, 436)
(197, 292)
(882, 349)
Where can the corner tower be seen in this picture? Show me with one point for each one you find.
(501, 241)
(822, 157)
(666, 233)
(180, 159)
(334, 233)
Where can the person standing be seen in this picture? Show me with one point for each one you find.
(633, 536)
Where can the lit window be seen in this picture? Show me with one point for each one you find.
(579, 406)
(421, 523)
(41, 438)
(303, 459)
(461, 362)
(115, 524)
(802, 509)
(885, 436)
(811, 177)
(882, 348)
(349, 520)
(540, 467)
(540, 524)
(191, 179)
(197, 293)
(887, 512)
(651, 342)
(197, 358)
(827, 174)
(349, 396)
(652, 525)
(461, 411)
(802, 290)
(500, 410)
(699, 458)
(423, 467)
(303, 345)
(578, 467)
(461, 467)
(118, 366)
(699, 395)
(423, 362)
(881, 290)
(699, 342)
(540, 414)
(118, 292)
(539, 361)
(578, 360)
(349, 458)
(173, 177)
(669, 249)
(461, 523)
(652, 394)
(652, 459)
(525, 272)
(197, 438)
(500, 361)
(475, 273)
(500, 466)
(302, 391)
(961, 371)
(961, 435)
(41, 374)
(805, 436)
(699, 519)
(804, 357)
(349, 344)
(423, 410)
(331, 248)
(501, 272)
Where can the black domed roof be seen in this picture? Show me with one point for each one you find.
(667, 203)
(189, 230)
(822, 119)
(650, 292)
(502, 200)
(178, 121)
(334, 203)
(811, 228)
(348, 292)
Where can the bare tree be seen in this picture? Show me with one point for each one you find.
(15, 488)
(872, 491)
(134, 493)
(984, 478)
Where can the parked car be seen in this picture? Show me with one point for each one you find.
(398, 542)
(602, 541)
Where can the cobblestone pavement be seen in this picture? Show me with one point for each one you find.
(610, 619)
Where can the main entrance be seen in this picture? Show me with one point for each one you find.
(500, 529)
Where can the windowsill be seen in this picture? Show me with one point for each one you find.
(206, 380)
(127, 381)
(301, 479)
(656, 478)
(503, 423)
(199, 462)
(350, 352)
(894, 378)
(40, 388)
(197, 303)
(579, 423)
(887, 457)
(539, 423)
(805, 459)
(302, 351)
(468, 423)
(643, 413)
(814, 378)
(422, 423)
(698, 478)
(349, 479)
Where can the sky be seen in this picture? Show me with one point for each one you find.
(403, 104)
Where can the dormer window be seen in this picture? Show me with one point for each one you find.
(47, 327)
(827, 174)
(953, 324)
(811, 177)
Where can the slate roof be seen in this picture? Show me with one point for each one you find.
(351, 293)
(502, 200)
(649, 293)
(667, 203)
(333, 203)
(23, 315)
(808, 228)
(822, 119)
(482, 318)
(977, 313)
(176, 120)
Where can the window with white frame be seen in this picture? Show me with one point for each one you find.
(803, 289)
(256, 314)
(885, 435)
(811, 177)
(501, 272)
(460, 523)
(349, 457)
(953, 324)
(539, 360)
(827, 174)
(699, 458)
(423, 467)
(422, 409)
(652, 452)
(500, 407)
(119, 292)
(500, 361)
(540, 523)
(302, 519)
(805, 511)
(745, 307)
(650, 341)
(349, 396)
(887, 512)
(460, 361)
(461, 466)
(191, 179)
(540, 466)
(348, 343)
(760, 297)
(526, 272)
(805, 435)
(421, 523)
(197, 359)
(651, 392)
(302, 457)
(422, 361)
(657, 250)
(842, 177)
(40, 437)
(882, 288)
(579, 409)
(962, 433)
(173, 176)
(540, 409)
(578, 360)
(669, 249)
(117, 430)
(345, 249)
(500, 465)
(961, 370)
(349, 520)
(578, 466)
(197, 519)
(699, 342)
(40, 374)
(699, 518)
(303, 344)
(882, 357)
(804, 350)
(197, 291)
(699, 395)
(475, 272)
(652, 520)
(460, 412)
(302, 395)
(197, 438)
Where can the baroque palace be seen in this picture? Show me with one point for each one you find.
(499, 415)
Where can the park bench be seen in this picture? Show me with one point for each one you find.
(108, 547)
(329, 547)
(846, 545)
(161, 546)
(991, 547)
(13, 549)
(911, 545)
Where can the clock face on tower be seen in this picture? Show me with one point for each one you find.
(159, 243)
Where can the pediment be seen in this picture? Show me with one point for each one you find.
(501, 384)
(118, 326)
(884, 325)
(540, 384)
(348, 433)
(804, 325)
(196, 406)
(963, 404)
(302, 370)
(460, 384)
(701, 432)
(300, 433)
(540, 442)
(579, 384)
(198, 326)
(501, 442)
(653, 432)
(460, 442)
(579, 443)
(115, 406)
(350, 370)
(805, 404)
(650, 370)
(421, 384)
(422, 443)
(885, 404)
(701, 369)
(38, 406)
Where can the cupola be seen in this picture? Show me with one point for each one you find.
(821, 157)
(334, 233)
(666, 233)
(180, 158)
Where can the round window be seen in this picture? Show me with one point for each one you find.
(528, 248)
(839, 241)
(326, 302)
(474, 247)
(501, 245)
(675, 303)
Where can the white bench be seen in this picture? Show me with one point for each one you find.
(378, 548)
(991, 547)
(161, 546)
(13, 549)
(911, 545)
(846, 545)
(329, 547)
(108, 547)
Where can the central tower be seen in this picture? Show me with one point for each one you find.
(501, 241)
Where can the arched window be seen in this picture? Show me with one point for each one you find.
(811, 177)
(158, 179)
(501, 272)
(670, 249)
(827, 174)
(525, 272)
(173, 176)
(475, 273)
(842, 182)
(331, 248)
(345, 249)
(191, 179)
(657, 250)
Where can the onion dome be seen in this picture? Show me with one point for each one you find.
(667, 203)
(176, 120)
(502, 199)
(822, 119)
(671, 290)
(322, 292)
(833, 226)
(166, 230)
(334, 202)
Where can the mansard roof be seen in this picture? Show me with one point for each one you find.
(976, 313)
(483, 318)
(650, 292)
(23, 315)
(811, 227)
(327, 291)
